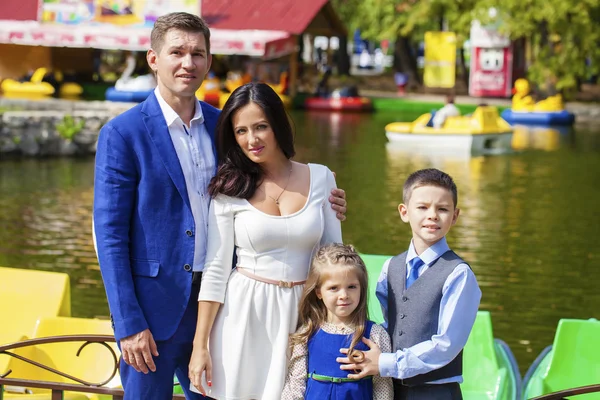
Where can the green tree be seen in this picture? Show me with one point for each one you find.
(405, 20)
(563, 37)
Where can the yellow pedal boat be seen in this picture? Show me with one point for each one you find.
(35, 88)
(30, 295)
(40, 307)
(482, 133)
(42, 347)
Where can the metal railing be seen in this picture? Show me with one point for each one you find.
(57, 388)
(563, 394)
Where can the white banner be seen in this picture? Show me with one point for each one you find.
(223, 41)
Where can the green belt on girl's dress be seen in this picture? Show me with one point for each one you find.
(325, 378)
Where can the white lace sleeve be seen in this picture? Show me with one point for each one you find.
(295, 382)
(383, 388)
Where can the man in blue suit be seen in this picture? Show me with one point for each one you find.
(153, 165)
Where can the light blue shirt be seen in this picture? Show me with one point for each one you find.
(194, 150)
(458, 309)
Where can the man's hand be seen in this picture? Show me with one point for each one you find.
(199, 363)
(370, 365)
(338, 203)
(138, 349)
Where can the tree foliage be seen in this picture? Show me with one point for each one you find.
(563, 35)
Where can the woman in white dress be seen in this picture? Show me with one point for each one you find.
(275, 213)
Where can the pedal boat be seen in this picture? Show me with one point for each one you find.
(349, 104)
(570, 362)
(482, 133)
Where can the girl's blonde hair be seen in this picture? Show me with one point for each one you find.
(312, 311)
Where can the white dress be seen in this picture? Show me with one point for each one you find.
(249, 339)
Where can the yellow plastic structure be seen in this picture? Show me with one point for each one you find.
(286, 100)
(94, 363)
(27, 296)
(70, 90)
(541, 138)
(67, 90)
(279, 88)
(235, 80)
(34, 89)
(484, 121)
(211, 87)
(522, 101)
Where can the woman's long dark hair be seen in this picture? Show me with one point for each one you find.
(237, 175)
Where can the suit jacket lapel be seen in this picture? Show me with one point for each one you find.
(159, 133)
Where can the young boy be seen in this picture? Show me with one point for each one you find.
(429, 297)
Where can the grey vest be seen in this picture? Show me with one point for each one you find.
(413, 314)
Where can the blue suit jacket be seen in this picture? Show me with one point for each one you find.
(143, 222)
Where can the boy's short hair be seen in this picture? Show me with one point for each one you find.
(429, 177)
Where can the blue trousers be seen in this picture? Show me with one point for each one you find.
(173, 359)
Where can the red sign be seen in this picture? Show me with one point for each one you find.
(491, 69)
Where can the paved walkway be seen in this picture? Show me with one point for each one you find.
(435, 98)
(583, 111)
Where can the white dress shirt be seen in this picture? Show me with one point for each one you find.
(195, 152)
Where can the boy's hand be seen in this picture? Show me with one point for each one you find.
(370, 365)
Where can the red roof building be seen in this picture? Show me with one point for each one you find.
(19, 10)
(292, 16)
(259, 28)
(262, 22)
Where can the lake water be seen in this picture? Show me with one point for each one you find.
(528, 224)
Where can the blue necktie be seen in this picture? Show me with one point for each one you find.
(414, 264)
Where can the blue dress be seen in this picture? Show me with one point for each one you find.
(323, 349)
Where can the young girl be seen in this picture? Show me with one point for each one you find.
(333, 315)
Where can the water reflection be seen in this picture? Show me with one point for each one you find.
(45, 209)
(527, 225)
(540, 137)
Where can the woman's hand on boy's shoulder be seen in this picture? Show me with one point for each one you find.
(369, 366)
(338, 203)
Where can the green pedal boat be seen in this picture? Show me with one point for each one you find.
(572, 361)
(490, 371)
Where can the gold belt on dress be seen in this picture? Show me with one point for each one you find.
(284, 284)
